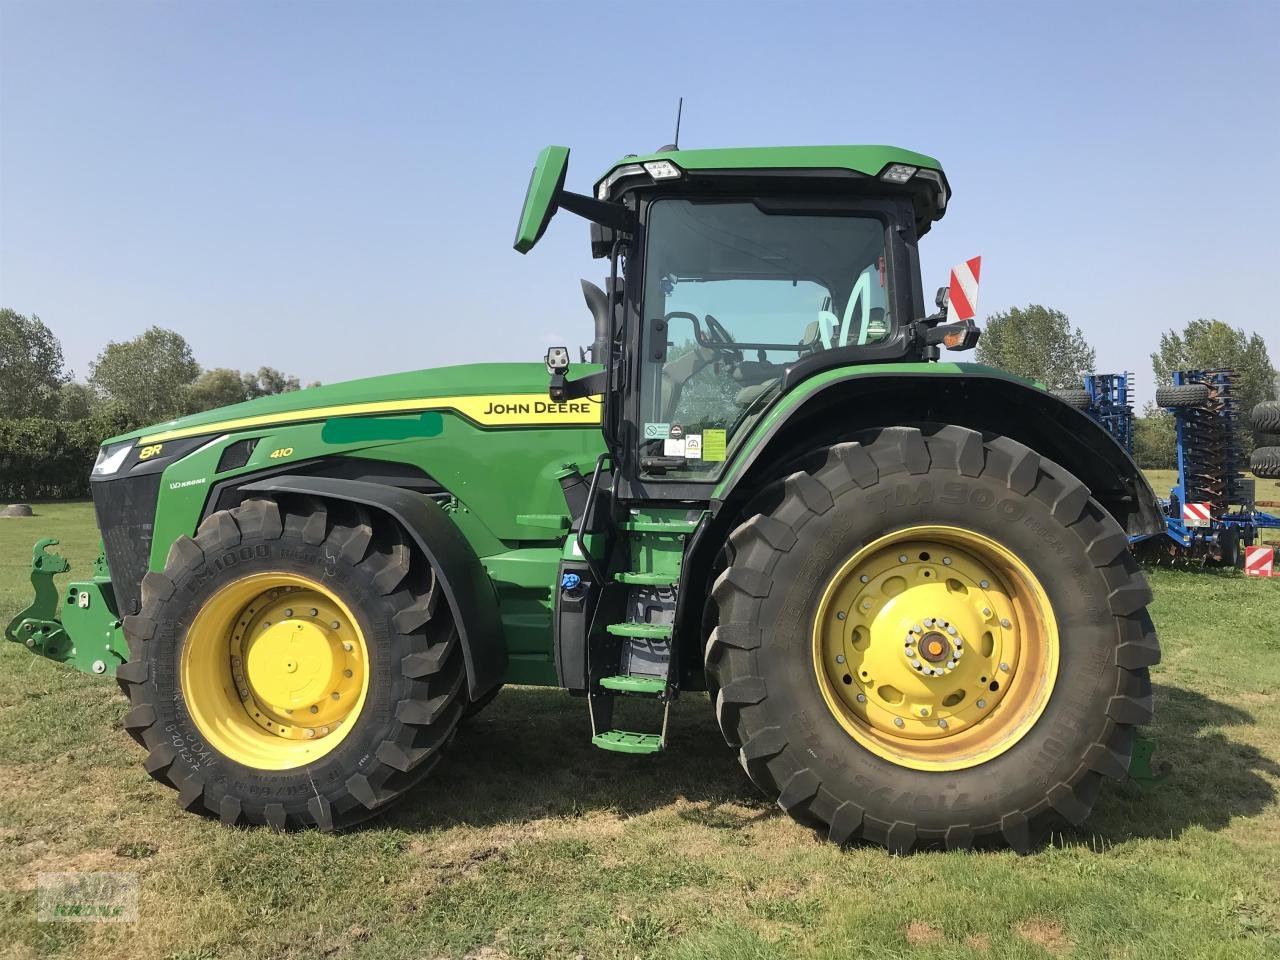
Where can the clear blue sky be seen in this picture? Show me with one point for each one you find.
(332, 188)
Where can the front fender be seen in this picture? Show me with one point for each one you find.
(834, 404)
(467, 586)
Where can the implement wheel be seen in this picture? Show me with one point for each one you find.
(293, 666)
(1180, 395)
(931, 638)
(1265, 463)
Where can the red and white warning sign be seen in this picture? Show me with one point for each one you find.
(962, 294)
(1258, 561)
(1196, 514)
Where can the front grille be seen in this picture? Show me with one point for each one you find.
(126, 509)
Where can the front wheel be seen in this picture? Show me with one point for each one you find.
(294, 665)
(931, 637)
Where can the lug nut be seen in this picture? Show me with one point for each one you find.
(862, 698)
(314, 708)
(288, 611)
(897, 721)
(981, 704)
(840, 614)
(315, 612)
(336, 695)
(942, 724)
(1004, 667)
(924, 711)
(347, 646)
(952, 630)
(984, 584)
(347, 674)
(864, 578)
(1004, 622)
(839, 658)
(334, 625)
(902, 558)
(946, 561)
(310, 733)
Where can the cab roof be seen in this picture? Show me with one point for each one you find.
(927, 179)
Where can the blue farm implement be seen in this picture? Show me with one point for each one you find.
(1212, 512)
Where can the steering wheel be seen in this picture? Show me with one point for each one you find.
(715, 326)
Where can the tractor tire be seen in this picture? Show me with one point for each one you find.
(325, 717)
(1080, 399)
(780, 701)
(1265, 463)
(1266, 417)
(1182, 395)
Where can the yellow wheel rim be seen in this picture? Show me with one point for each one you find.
(274, 671)
(935, 648)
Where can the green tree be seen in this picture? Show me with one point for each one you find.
(146, 378)
(1037, 342)
(30, 366)
(268, 381)
(1155, 445)
(75, 401)
(1214, 345)
(219, 387)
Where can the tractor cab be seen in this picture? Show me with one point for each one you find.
(734, 274)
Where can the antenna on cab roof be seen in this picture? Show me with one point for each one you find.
(667, 148)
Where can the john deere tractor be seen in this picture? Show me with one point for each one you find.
(903, 583)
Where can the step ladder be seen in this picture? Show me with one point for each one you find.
(638, 662)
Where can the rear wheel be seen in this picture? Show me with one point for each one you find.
(293, 666)
(931, 638)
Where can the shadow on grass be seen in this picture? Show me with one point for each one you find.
(1211, 779)
(529, 756)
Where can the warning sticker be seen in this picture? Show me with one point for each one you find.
(693, 446)
(673, 447)
(713, 445)
(657, 431)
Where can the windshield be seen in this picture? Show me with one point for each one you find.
(732, 295)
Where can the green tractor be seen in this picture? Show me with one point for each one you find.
(904, 584)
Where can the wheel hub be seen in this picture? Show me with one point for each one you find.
(295, 667)
(933, 688)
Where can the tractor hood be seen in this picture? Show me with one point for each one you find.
(480, 391)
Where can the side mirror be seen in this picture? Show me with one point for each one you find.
(540, 200)
(546, 195)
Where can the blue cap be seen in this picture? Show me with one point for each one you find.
(569, 581)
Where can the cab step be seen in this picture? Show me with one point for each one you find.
(627, 683)
(669, 527)
(624, 741)
(645, 579)
(642, 631)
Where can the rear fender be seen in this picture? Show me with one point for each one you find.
(467, 586)
(836, 404)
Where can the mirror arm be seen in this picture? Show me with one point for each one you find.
(561, 388)
(603, 212)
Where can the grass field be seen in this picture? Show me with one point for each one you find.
(527, 842)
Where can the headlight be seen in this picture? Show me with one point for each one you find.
(110, 459)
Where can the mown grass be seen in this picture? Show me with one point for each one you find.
(527, 842)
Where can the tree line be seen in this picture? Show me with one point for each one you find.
(51, 423)
(1040, 343)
